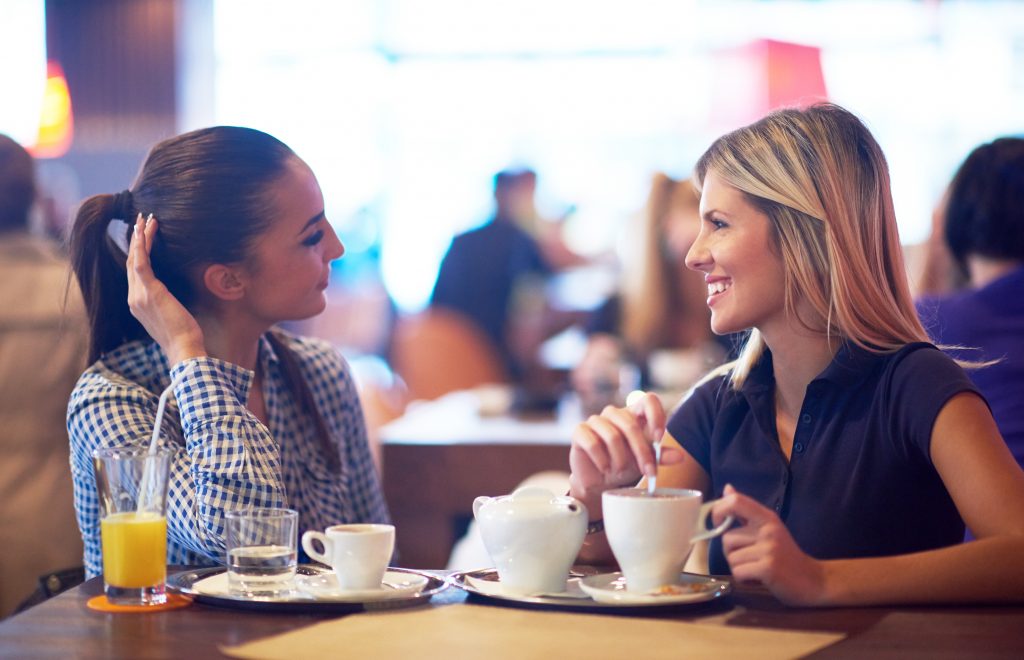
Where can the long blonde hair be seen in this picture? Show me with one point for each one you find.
(822, 180)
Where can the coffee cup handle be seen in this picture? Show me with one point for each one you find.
(307, 545)
(705, 509)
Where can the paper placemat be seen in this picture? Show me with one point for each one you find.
(479, 631)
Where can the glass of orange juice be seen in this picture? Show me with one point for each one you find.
(132, 486)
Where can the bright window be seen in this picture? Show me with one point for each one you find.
(405, 109)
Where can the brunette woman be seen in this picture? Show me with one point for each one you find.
(222, 235)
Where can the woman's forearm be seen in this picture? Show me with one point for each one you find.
(985, 570)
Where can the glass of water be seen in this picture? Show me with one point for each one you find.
(261, 551)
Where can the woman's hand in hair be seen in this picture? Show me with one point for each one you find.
(160, 313)
(761, 549)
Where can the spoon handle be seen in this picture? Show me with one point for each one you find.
(652, 482)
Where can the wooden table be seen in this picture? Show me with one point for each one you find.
(442, 454)
(64, 627)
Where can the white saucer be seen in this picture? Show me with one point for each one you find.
(395, 585)
(496, 589)
(611, 588)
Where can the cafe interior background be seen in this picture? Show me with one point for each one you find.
(405, 109)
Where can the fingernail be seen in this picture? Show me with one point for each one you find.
(149, 219)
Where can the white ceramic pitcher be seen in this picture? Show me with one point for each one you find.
(533, 537)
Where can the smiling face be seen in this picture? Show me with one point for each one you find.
(287, 272)
(734, 251)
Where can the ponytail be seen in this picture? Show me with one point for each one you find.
(300, 390)
(99, 266)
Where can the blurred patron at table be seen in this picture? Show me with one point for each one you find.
(978, 240)
(495, 275)
(655, 332)
(42, 351)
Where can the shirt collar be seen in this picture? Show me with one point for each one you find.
(266, 356)
(850, 365)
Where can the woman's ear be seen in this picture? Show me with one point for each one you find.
(224, 282)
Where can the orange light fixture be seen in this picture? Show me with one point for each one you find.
(56, 122)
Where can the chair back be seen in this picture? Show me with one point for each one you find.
(439, 351)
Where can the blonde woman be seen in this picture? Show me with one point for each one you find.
(849, 449)
(660, 308)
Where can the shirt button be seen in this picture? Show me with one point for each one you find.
(798, 447)
(778, 508)
(806, 419)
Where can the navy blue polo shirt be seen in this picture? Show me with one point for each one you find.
(860, 481)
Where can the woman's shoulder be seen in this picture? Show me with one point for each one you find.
(132, 365)
(924, 369)
(711, 393)
(919, 357)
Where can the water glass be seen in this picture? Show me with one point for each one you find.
(132, 488)
(262, 551)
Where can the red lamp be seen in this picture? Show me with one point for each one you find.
(753, 79)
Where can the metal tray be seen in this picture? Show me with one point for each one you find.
(473, 581)
(184, 582)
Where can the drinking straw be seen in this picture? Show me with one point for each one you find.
(147, 471)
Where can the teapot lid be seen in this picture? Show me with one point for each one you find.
(534, 501)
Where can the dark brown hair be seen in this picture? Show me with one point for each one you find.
(985, 206)
(210, 190)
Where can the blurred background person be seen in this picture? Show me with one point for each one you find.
(489, 271)
(42, 351)
(979, 233)
(655, 332)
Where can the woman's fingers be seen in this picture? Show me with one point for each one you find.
(745, 509)
(654, 415)
(750, 571)
(150, 233)
(739, 537)
(634, 429)
(617, 443)
(139, 247)
(586, 440)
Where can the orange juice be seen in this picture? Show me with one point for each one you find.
(134, 549)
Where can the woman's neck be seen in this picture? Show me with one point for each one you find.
(984, 270)
(798, 357)
(231, 340)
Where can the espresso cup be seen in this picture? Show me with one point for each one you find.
(651, 535)
(358, 554)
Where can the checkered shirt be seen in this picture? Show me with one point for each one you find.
(224, 458)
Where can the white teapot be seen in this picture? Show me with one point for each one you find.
(533, 537)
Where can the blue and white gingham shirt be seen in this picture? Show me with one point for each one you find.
(224, 458)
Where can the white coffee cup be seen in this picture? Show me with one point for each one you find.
(359, 554)
(651, 535)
